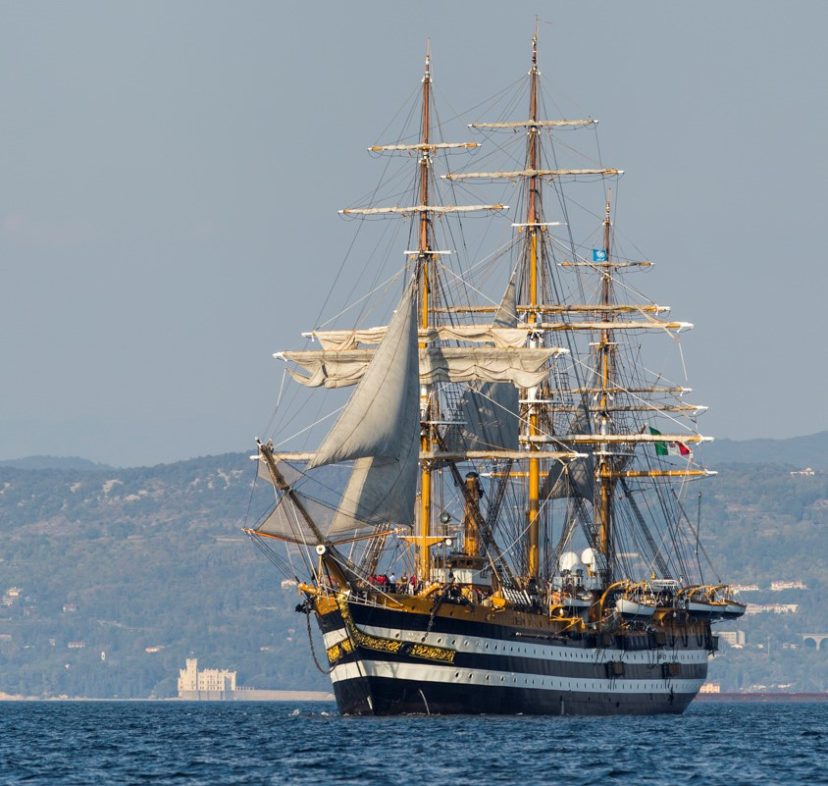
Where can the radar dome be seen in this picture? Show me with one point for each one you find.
(569, 561)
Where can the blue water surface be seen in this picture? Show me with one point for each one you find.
(281, 743)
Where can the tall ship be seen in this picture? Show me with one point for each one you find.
(494, 514)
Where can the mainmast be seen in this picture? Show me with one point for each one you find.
(424, 260)
(606, 347)
(533, 512)
(533, 176)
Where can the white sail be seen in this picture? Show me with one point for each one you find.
(285, 522)
(383, 411)
(379, 491)
(499, 335)
(524, 367)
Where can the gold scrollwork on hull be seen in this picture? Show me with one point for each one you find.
(379, 644)
(339, 651)
(440, 654)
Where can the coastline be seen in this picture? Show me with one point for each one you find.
(321, 696)
(257, 695)
(760, 697)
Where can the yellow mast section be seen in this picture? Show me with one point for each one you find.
(605, 480)
(533, 139)
(423, 551)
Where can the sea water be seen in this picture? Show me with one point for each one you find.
(159, 743)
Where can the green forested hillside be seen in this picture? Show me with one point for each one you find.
(109, 578)
(125, 560)
(763, 525)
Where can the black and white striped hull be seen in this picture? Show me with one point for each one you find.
(502, 669)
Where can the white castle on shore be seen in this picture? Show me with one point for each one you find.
(207, 683)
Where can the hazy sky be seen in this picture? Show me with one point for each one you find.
(170, 174)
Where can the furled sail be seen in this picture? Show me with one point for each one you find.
(489, 410)
(383, 412)
(524, 367)
(502, 336)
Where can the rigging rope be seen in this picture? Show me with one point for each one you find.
(303, 608)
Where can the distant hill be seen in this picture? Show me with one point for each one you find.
(53, 462)
(110, 578)
(810, 451)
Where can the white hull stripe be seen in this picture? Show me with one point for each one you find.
(334, 637)
(490, 678)
(485, 646)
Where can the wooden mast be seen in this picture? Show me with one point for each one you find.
(424, 270)
(605, 350)
(532, 228)
(425, 256)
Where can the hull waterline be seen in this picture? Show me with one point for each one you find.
(387, 662)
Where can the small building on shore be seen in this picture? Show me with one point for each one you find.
(205, 684)
(220, 685)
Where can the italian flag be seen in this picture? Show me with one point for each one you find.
(670, 448)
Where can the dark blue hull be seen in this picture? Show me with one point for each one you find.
(387, 662)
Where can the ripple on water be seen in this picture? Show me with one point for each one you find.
(238, 744)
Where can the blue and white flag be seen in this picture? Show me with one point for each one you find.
(599, 255)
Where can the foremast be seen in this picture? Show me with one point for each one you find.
(532, 227)
(424, 264)
(424, 256)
